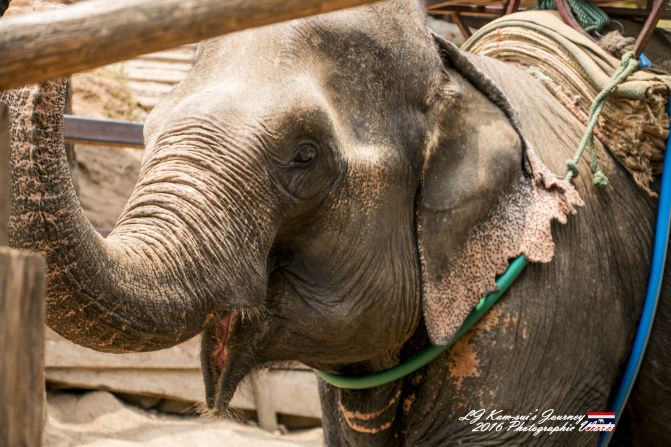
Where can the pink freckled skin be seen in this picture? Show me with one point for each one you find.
(221, 335)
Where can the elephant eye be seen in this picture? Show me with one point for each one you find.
(305, 154)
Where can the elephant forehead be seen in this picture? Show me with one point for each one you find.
(340, 46)
(234, 107)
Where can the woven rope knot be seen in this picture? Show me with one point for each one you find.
(627, 56)
(616, 44)
(572, 169)
(628, 65)
(599, 179)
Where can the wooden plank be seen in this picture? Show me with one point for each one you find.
(180, 55)
(22, 314)
(49, 45)
(439, 8)
(290, 392)
(103, 131)
(570, 19)
(175, 373)
(650, 24)
(141, 66)
(513, 6)
(463, 28)
(4, 173)
(150, 89)
(148, 102)
(183, 54)
(629, 13)
(263, 399)
(186, 385)
(165, 76)
(61, 353)
(295, 392)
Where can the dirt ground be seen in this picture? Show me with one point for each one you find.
(99, 419)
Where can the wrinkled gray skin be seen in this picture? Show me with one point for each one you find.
(235, 228)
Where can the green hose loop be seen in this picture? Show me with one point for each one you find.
(430, 353)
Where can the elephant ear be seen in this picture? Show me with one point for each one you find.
(485, 198)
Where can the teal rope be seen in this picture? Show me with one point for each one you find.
(430, 353)
(628, 65)
(590, 16)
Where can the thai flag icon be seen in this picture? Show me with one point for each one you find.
(602, 420)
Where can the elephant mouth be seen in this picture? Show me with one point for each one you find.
(222, 330)
(225, 361)
(229, 351)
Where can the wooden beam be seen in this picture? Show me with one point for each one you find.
(174, 373)
(48, 45)
(512, 7)
(463, 28)
(263, 398)
(466, 9)
(493, 11)
(649, 27)
(628, 13)
(4, 173)
(568, 18)
(292, 392)
(22, 314)
(65, 355)
(103, 131)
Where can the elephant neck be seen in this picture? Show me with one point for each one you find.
(362, 417)
(375, 416)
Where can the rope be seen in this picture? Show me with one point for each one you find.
(590, 16)
(628, 65)
(617, 44)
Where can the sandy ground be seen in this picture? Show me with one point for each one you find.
(99, 419)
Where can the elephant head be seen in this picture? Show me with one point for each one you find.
(318, 190)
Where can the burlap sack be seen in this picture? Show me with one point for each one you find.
(635, 123)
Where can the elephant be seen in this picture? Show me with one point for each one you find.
(340, 191)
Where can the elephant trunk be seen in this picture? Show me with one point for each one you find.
(164, 271)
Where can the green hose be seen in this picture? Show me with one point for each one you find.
(590, 16)
(430, 353)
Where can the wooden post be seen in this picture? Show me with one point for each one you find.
(48, 45)
(657, 9)
(263, 401)
(463, 28)
(22, 316)
(512, 7)
(4, 173)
